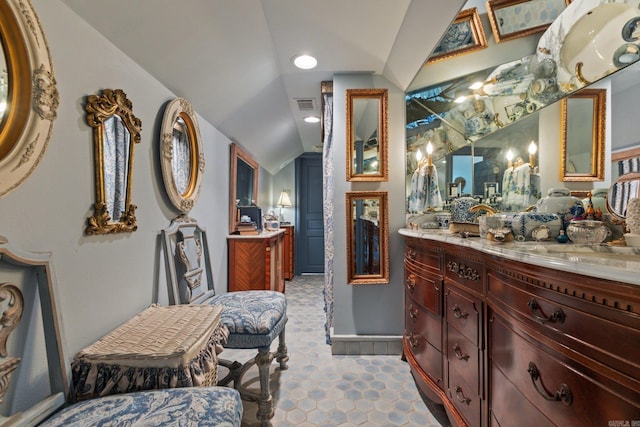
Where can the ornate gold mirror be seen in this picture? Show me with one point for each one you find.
(28, 94)
(582, 135)
(116, 131)
(367, 237)
(367, 134)
(243, 183)
(511, 19)
(182, 158)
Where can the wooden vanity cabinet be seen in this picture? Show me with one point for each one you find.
(288, 251)
(255, 262)
(524, 345)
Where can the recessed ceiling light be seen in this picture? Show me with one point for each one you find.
(312, 119)
(305, 62)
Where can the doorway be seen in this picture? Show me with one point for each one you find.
(310, 223)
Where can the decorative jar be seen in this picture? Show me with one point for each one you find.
(587, 231)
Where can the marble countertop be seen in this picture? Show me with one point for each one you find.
(264, 234)
(619, 263)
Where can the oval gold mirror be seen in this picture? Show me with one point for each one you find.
(28, 94)
(582, 135)
(367, 237)
(182, 158)
(116, 131)
(367, 134)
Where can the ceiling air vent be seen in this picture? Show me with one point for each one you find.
(306, 104)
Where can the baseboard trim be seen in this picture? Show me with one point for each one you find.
(356, 345)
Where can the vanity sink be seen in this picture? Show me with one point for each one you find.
(594, 46)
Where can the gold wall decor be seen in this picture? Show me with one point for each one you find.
(512, 19)
(582, 135)
(116, 131)
(452, 44)
(367, 134)
(28, 94)
(367, 237)
(182, 156)
(243, 183)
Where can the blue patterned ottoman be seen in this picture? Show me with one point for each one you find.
(189, 406)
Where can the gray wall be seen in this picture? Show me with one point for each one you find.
(369, 309)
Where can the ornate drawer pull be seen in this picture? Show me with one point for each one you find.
(411, 282)
(413, 312)
(461, 397)
(459, 354)
(413, 341)
(557, 316)
(564, 394)
(458, 313)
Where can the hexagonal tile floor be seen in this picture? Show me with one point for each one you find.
(321, 389)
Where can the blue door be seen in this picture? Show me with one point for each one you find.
(310, 224)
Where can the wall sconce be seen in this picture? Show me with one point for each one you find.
(429, 154)
(509, 158)
(283, 202)
(532, 154)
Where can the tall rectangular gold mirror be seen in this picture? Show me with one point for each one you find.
(243, 183)
(582, 135)
(367, 134)
(367, 237)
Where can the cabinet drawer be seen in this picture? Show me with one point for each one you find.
(464, 398)
(423, 322)
(422, 259)
(464, 312)
(599, 338)
(567, 392)
(426, 292)
(428, 357)
(464, 358)
(507, 405)
(466, 272)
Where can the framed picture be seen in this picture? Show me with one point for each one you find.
(454, 190)
(490, 189)
(465, 35)
(511, 19)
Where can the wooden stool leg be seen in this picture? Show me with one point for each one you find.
(265, 400)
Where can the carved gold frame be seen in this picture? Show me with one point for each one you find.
(239, 155)
(383, 223)
(99, 108)
(181, 108)
(479, 39)
(382, 96)
(599, 99)
(32, 96)
(495, 5)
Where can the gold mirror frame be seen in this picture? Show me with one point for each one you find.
(568, 172)
(495, 6)
(450, 44)
(181, 110)
(239, 155)
(381, 276)
(380, 95)
(99, 108)
(32, 96)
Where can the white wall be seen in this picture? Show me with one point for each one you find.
(369, 309)
(104, 280)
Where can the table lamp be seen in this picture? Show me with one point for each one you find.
(283, 202)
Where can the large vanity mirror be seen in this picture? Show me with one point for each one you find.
(367, 237)
(28, 94)
(182, 158)
(582, 135)
(243, 183)
(367, 134)
(116, 131)
(483, 122)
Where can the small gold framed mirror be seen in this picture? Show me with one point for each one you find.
(182, 157)
(367, 134)
(367, 237)
(116, 131)
(243, 183)
(582, 135)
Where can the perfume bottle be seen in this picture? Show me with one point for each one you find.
(562, 237)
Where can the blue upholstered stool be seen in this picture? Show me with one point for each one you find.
(254, 318)
(189, 406)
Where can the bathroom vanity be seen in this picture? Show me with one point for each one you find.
(523, 333)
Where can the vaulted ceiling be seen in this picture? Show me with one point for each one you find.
(232, 58)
